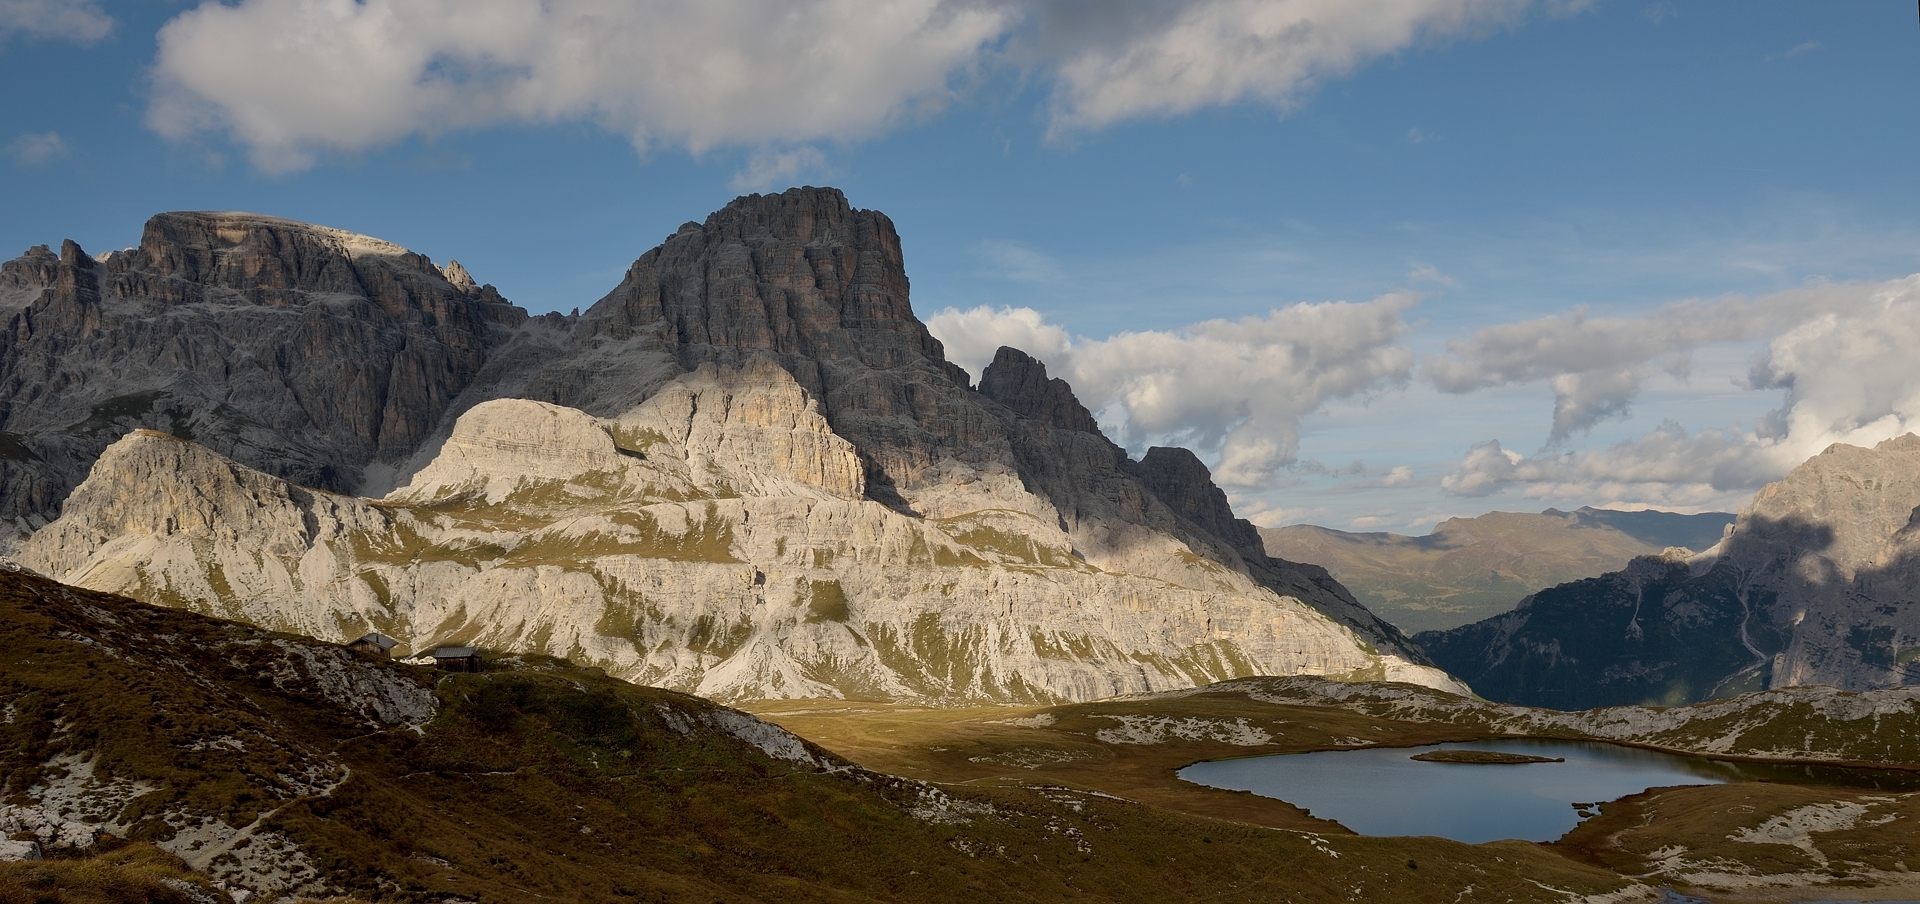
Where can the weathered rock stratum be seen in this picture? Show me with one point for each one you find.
(306, 352)
(1814, 584)
(747, 471)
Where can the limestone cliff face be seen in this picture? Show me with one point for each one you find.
(303, 351)
(1142, 516)
(755, 399)
(1813, 585)
(803, 279)
(614, 542)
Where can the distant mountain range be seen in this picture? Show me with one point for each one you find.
(1818, 582)
(1469, 569)
(747, 471)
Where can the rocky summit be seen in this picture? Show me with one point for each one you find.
(748, 471)
(1814, 584)
(306, 352)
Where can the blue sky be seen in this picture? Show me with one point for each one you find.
(1656, 251)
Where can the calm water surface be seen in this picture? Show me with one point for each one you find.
(1380, 791)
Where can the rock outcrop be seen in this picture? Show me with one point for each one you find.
(1813, 585)
(748, 470)
(306, 352)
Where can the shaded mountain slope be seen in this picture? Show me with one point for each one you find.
(1813, 585)
(1468, 569)
(306, 352)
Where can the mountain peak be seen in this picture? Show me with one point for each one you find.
(1020, 382)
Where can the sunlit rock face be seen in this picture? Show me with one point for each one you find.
(614, 542)
(1815, 584)
(748, 471)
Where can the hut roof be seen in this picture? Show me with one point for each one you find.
(379, 640)
(452, 652)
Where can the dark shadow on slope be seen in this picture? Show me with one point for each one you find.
(1652, 633)
(1062, 456)
(1695, 532)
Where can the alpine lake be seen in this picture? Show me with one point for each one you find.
(1534, 790)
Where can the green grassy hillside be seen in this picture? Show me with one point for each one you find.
(285, 765)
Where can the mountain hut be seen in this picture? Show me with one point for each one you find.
(456, 659)
(377, 645)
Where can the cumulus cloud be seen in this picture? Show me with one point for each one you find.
(1597, 366)
(1843, 356)
(1160, 59)
(294, 79)
(35, 149)
(81, 21)
(1236, 389)
(1242, 386)
(972, 336)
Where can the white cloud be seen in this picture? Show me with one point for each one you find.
(1596, 366)
(1163, 59)
(81, 21)
(1843, 355)
(294, 79)
(1265, 514)
(1236, 390)
(972, 336)
(768, 168)
(1241, 387)
(35, 149)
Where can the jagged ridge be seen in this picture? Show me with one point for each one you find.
(773, 355)
(1813, 585)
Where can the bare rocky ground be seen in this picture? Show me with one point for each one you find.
(207, 757)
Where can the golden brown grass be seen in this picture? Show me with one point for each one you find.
(131, 874)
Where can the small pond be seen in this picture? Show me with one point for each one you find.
(1382, 791)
